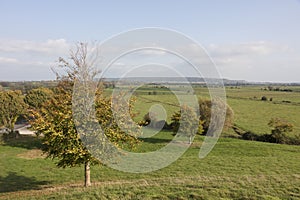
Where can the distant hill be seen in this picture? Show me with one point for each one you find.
(177, 80)
(25, 86)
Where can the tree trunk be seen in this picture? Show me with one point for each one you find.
(87, 174)
(190, 140)
(11, 127)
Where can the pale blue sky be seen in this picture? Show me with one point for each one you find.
(255, 40)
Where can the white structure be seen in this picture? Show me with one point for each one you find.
(23, 129)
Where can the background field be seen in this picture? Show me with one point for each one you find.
(251, 114)
(235, 169)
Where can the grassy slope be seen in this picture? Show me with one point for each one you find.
(234, 169)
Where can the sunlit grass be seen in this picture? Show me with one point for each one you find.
(234, 169)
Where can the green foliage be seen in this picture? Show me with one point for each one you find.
(205, 107)
(186, 122)
(281, 133)
(26, 86)
(149, 116)
(36, 97)
(120, 129)
(280, 129)
(55, 118)
(61, 140)
(12, 105)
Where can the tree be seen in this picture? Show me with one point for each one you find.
(150, 117)
(12, 105)
(55, 118)
(186, 123)
(264, 98)
(35, 98)
(280, 129)
(205, 108)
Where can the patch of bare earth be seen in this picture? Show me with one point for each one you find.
(32, 154)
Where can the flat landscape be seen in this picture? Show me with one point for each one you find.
(234, 169)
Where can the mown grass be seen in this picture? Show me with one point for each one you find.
(235, 169)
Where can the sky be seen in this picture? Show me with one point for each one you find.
(257, 40)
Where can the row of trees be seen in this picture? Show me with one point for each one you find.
(26, 86)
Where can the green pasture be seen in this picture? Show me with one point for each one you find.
(251, 113)
(234, 169)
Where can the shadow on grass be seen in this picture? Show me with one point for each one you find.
(155, 140)
(24, 141)
(14, 182)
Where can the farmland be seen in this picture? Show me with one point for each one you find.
(234, 169)
(251, 114)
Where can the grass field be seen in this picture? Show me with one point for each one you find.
(251, 114)
(234, 169)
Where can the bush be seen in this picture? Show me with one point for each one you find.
(150, 119)
(279, 134)
(186, 122)
(249, 136)
(280, 130)
(205, 114)
(264, 98)
(150, 116)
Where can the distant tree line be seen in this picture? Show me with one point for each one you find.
(271, 88)
(25, 86)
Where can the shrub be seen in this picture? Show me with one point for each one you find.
(151, 120)
(186, 123)
(150, 116)
(205, 114)
(280, 130)
(264, 98)
(249, 136)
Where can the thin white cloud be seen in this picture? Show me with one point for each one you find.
(258, 48)
(259, 60)
(6, 60)
(51, 46)
(148, 52)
